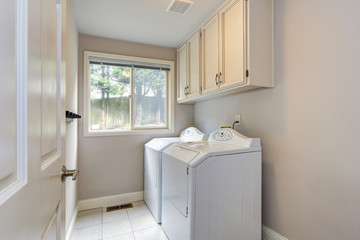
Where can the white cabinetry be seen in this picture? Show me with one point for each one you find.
(210, 57)
(237, 51)
(194, 65)
(223, 48)
(232, 48)
(189, 69)
(181, 72)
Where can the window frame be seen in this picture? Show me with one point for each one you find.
(134, 130)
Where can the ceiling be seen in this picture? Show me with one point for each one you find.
(143, 21)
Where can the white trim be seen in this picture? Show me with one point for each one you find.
(153, 131)
(269, 234)
(21, 97)
(49, 160)
(56, 218)
(72, 224)
(110, 200)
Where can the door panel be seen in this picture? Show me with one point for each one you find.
(210, 36)
(13, 99)
(151, 183)
(49, 83)
(52, 230)
(194, 50)
(182, 72)
(8, 94)
(232, 42)
(35, 127)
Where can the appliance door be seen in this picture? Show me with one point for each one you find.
(152, 173)
(175, 192)
(152, 181)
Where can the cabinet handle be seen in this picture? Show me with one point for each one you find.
(220, 78)
(216, 79)
(186, 92)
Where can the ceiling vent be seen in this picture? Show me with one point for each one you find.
(179, 6)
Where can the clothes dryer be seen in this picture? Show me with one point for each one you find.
(152, 166)
(212, 190)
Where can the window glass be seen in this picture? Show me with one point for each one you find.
(150, 98)
(110, 91)
(127, 95)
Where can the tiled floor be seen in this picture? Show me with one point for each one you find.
(135, 223)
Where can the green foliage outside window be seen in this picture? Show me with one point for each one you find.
(110, 97)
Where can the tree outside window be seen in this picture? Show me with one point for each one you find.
(110, 97)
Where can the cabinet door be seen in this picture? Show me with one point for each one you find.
(210, 40)
(232, 53)
(194, 64)
(181, 72)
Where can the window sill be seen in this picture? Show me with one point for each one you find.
(140, 132)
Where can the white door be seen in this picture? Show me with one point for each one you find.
(32, 124)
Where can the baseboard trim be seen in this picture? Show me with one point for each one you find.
(269, 234)
(72, 224)
(110, 200)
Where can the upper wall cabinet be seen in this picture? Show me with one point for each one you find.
(237, 49)
(182, 73)
(189, 69)
(210, 56)
(232, 48)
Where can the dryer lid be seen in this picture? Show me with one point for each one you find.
(180, 153)
(159, 144)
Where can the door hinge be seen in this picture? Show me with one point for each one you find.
(187, 171)
(247, 73)
(187, 210)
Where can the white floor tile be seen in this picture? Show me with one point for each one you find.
(139, 209)
(87, 233)
(155, 233)
(127, 236)
(135, 223)
(115, 216)
(88, 218)
(116, 228)
(142, 222)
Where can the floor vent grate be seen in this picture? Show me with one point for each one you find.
(119, 207)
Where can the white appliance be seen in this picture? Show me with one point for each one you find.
(212, 190)
(152, 166)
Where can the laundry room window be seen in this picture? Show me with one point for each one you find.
(127, 95)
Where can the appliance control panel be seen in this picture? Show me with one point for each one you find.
(222, 135)
(191, 134)
(230, 136)
(188, 132)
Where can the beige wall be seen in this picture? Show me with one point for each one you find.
(309, 124)
(114, 165)
(72, 105)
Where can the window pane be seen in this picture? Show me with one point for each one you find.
(109, 97)
(150, 98)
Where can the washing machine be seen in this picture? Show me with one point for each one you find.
(212, 190)
(152, 166)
